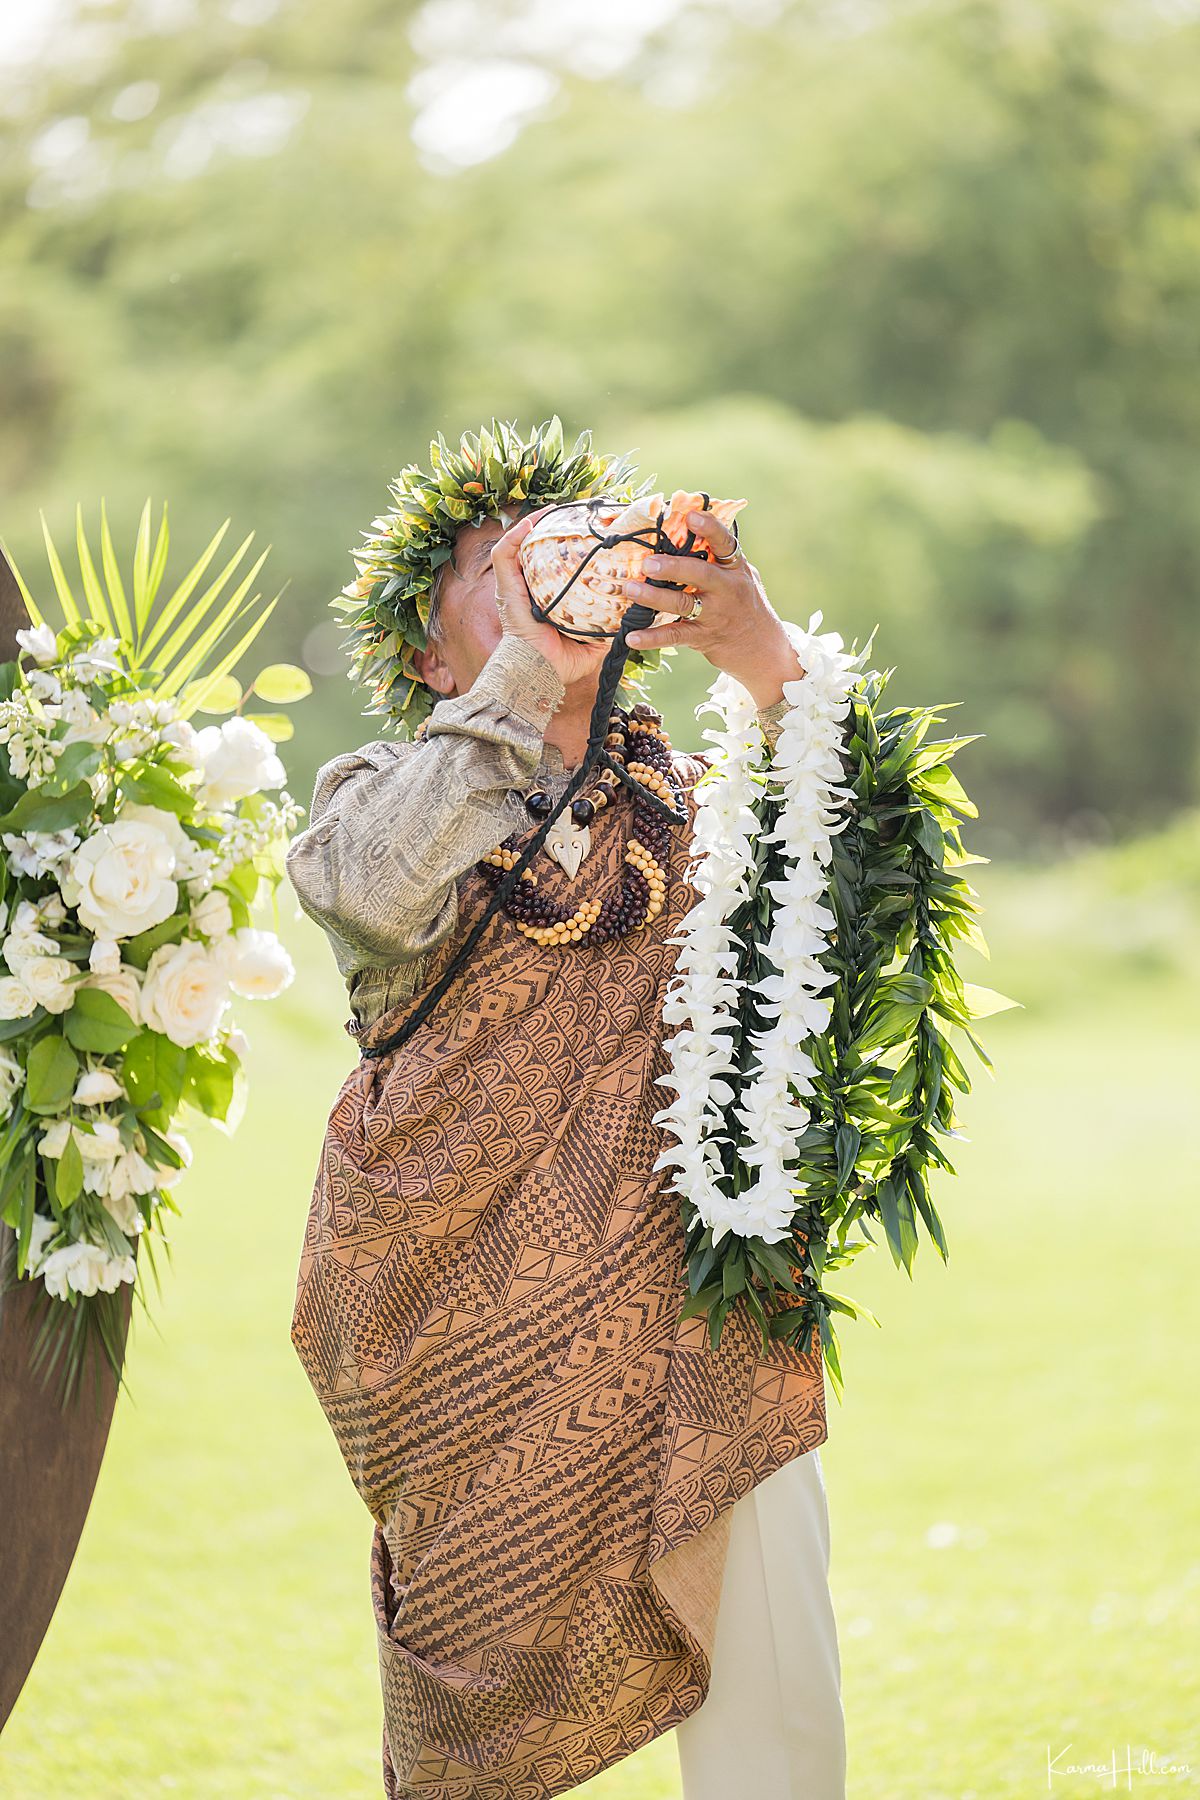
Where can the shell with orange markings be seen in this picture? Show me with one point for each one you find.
(558, 543)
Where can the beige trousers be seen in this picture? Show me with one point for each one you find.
(772, 1724)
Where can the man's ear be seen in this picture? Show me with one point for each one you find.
(432, 670)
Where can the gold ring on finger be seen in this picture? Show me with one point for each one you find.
(696, 610)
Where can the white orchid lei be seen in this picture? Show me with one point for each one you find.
(134, 849)
(704, 995)
(809, 1073)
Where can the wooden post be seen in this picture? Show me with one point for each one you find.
(49, 1457)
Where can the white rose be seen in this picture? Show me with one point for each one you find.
(259, 967)
(213, 916)
(96, 1087)
(237, 759)
(162, 820)
(123, 985)
(26, 919)
(120, 879)
(104, 957)
(184, 993)
(16, 1002)
(24, 946)
(40, 642)
(190, 857)
(51, 981)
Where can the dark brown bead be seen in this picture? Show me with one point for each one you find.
(539, 803)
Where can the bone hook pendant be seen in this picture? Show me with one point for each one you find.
(568, 844)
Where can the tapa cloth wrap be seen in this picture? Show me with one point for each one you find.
(487, 1307)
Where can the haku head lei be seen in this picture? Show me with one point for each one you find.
(495, 474)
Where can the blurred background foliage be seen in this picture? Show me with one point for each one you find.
(922, 280)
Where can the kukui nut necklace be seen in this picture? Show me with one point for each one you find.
(658, 807)
(642, 891)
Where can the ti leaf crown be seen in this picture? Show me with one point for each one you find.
(494, 474)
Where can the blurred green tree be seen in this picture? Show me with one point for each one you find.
(922, 283)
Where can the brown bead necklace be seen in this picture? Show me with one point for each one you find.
(638, 742)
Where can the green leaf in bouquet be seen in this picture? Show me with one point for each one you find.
(121, 623)
(153, 1071)
(93, 592)
(144, 598)
(161, 1154)
(207, 695)
(234, 656)
(168, 648)
(142, 595)
(175, 603)
(192, 657)
(209, 1082)
(152, 785)
(68, 1173)
(244, 881)
(281, 684)
(278, 726)
(138, 950)
(76, 763)
(40, 810)
(98, 1023)
(50, 1075)
(15, 1028)
(62, 586)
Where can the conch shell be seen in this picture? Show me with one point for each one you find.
(594, 605)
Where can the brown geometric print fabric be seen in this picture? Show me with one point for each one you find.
(487, 1307)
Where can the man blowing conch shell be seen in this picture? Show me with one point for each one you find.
(590, 1527)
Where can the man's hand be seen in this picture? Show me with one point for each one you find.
(739, 630)
(574, 661)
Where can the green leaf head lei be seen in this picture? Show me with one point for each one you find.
(496, 473)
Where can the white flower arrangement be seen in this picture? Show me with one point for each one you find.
(134, 850)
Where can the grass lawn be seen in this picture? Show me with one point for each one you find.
(1012, 1478)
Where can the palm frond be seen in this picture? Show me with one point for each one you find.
(172, 643)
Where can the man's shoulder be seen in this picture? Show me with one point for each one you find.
(380, 754)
